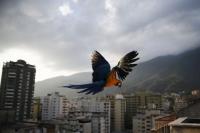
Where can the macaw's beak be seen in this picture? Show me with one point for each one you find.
(119, 84)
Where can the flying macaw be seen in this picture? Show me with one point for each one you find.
(103, 77)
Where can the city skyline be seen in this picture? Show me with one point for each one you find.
(58, 37)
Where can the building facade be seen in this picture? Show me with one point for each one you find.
(17, 88)
(100, 113)
(37, 109)
(132, 103)
(119, 113)
(180, 103)
(54, 106)
(111, 99)
(136, 101)
(95, 110)
(143, 122)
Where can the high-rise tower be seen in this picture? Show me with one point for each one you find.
(17, 88)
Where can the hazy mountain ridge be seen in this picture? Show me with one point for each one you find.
(171, 73)
(44, 87)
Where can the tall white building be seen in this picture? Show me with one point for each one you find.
(119, 113)
(54, 106)
(64, 106)
(118, 110)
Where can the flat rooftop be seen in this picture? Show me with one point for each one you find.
(186, 122)
(191, 120)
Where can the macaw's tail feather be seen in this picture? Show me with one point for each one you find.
(91, 88)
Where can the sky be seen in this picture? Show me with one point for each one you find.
(59, 36)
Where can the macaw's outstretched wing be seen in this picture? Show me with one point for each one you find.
(125, 65)
(100, 66)
(101, 69)
(91, 88)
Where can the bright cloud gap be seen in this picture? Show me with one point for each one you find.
(65, 9)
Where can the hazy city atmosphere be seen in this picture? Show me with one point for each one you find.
(100, 66)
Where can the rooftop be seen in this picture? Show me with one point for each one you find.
(165, 117)
(186, 122)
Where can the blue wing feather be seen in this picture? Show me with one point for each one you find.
(91, 88)
(100, 66)
(101, 73)
(101, 69)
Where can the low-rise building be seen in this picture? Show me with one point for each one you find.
(95, 110)
(195, 93)
(161, 123)
(191, 111)
(20, 127)
(135, 101)
(100, 113)
(180, 103)
(36, 114)
(143, 122)
(185, 125)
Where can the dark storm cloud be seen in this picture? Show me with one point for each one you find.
(113, 27)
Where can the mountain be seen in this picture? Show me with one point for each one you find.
(51, 85)
(172, 73)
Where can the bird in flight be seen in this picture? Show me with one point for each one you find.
(103, 76)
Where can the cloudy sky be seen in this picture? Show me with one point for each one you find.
(59, 36)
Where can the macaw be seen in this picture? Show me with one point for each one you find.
(103, 77)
